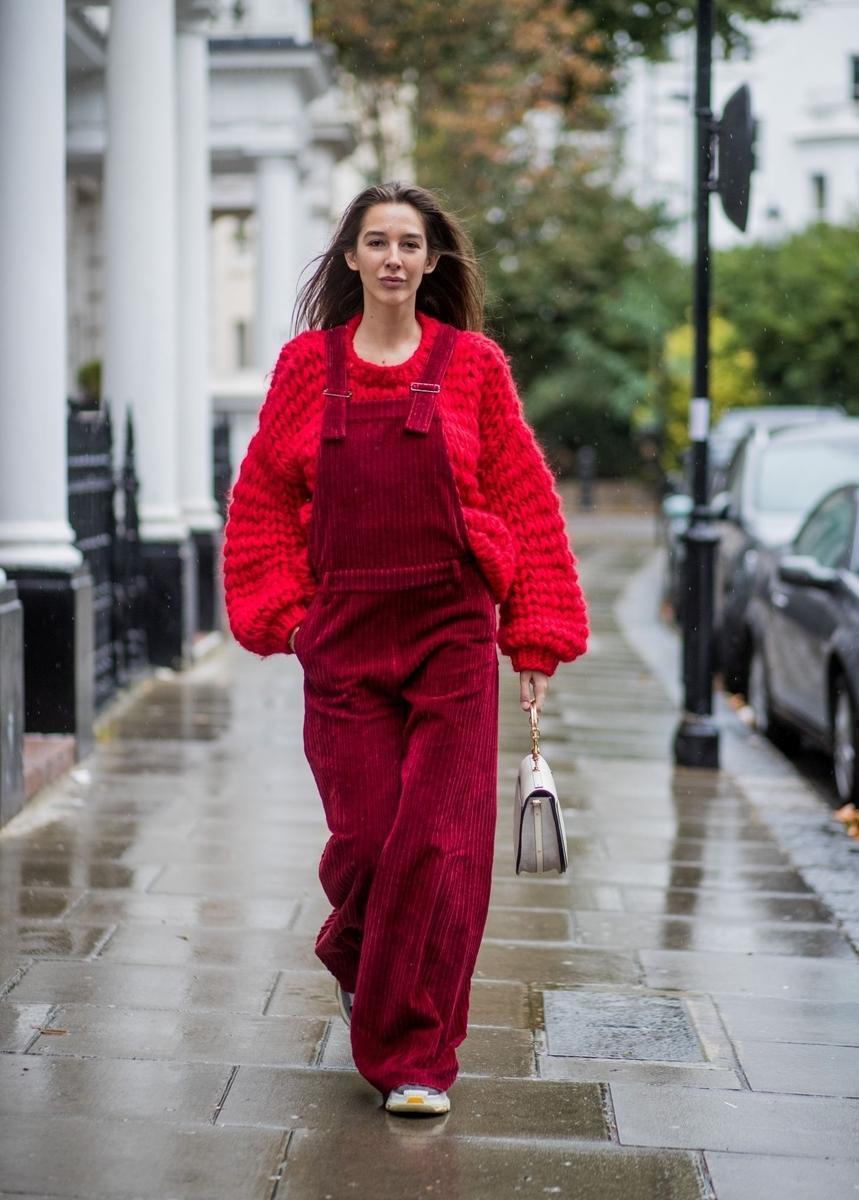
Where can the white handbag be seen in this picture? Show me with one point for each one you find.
(539, 836)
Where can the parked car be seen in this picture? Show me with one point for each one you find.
(727, 433)
(775, 477)
(804, 637)
(735, 423)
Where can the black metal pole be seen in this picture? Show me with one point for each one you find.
(696, 742)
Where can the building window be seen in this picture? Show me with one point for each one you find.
(854, 73)
(242, 348)
(818, 196)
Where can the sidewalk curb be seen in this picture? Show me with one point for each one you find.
(796, 816)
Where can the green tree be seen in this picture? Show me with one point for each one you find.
(797, 304)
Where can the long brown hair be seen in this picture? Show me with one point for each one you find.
(453, 292)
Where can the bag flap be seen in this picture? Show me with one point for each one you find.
(533, 778)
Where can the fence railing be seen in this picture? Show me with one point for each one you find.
(108, 543)
(103, 512)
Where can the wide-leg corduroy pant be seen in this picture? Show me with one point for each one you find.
(400, 730)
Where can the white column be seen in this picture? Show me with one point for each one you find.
(280, 241)
(34, 530)
(140, 244)
(195, 422)
(317, 191)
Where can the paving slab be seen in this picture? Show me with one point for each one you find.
(74, 1156)
(36, 901)
(343, 1104)
(19, 1024)
(758, 1176)
(138, 986)
(761, 975)
(418, 1158)
(810, 1021)
(190, 945)
(38, 870)
(723, 906)
(205, 912)
(605, 1070)
(120, 1088)
(749, 1122)
(41, 939)
(534, 964)
(591, 1024)
(792, 1067)
(555, 893)
(616, 930)
(204, 1037)
(288, 883)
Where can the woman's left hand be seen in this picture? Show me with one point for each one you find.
(541, 687)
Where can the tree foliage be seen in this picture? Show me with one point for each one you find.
(797, 304)
(733, 381)
(508, 105)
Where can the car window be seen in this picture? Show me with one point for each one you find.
(828, 533)
(792, 478)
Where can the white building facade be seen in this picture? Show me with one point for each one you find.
(804, 81)
(128, 131)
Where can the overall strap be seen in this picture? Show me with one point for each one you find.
(336, 391)
(426, 390)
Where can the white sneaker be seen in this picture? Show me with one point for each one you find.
(415, 1098)
(344, 1003)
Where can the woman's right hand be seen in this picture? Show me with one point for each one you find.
(292, 638)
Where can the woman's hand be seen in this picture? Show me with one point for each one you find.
(292, 638)
(541, 687)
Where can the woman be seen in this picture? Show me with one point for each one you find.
(392, 495)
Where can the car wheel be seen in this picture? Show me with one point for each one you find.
(844, 742)
(771, 726)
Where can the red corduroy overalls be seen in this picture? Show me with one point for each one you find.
(401, 724)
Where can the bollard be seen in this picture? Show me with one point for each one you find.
(586, 460)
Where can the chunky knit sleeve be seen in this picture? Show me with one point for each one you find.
(267, 578)
(543, 619)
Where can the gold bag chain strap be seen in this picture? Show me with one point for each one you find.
(536, 801)
(535, 730)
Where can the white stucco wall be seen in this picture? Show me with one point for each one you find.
(800, 75)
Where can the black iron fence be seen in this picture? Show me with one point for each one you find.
(222, 466)
(109, 543)
(103, 512)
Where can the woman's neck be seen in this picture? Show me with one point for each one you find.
(387, 336)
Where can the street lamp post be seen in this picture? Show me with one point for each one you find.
(696, 742)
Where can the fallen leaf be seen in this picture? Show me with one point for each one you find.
(48, 1029)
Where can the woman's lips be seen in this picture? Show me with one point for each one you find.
(391, 282)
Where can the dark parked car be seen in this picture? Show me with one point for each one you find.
(775, 477)
(804, 624)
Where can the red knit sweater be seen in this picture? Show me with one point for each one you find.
(513, 513)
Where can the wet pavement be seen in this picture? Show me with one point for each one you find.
(675, 1019)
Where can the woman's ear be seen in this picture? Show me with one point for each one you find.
(351, 261)
(432, 263)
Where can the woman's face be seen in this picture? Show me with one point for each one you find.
(391, 254)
